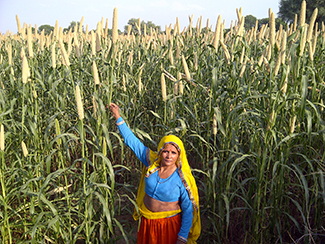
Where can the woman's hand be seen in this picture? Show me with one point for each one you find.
(114, 110)
(180, 242)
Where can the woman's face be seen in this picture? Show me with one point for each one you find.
(169, 155)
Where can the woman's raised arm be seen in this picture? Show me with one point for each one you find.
(140, 150)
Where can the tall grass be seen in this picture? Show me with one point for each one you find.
(247, 104)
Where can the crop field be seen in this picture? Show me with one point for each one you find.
(247, 103)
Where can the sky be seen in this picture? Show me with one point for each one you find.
(160, 12)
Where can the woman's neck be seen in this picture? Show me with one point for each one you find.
(166, 171)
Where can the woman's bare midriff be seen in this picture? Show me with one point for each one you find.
(155, 205)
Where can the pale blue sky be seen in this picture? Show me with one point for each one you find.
(160, 12)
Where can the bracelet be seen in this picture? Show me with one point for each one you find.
(182, 239)
(120, 123)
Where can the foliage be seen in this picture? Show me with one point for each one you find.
(47, 29)
(250, 21)
(249, 110)
(72, 26)
(135, 30)
(278, 22)
(289, 8)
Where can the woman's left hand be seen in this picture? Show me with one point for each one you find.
(179, 242)
(114, 110)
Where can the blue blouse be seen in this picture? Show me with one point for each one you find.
(170, 189)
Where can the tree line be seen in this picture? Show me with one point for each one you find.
(132, 22)
(286, 15)
(289, 8)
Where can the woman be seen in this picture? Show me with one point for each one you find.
(167, 196)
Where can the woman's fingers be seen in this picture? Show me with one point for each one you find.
(114, 110)
(113, 106)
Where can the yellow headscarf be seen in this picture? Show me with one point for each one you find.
(188, 181)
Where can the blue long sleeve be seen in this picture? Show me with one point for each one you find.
(133, 142)
(187, 214)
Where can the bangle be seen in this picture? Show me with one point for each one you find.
(120, 123)
(182, 239)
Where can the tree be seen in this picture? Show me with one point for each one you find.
(47, 29)
(250, 21)
(278, 22)
(71, 26)
(263, 21)
(149, 25)
(134, 22)
(288, 9)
